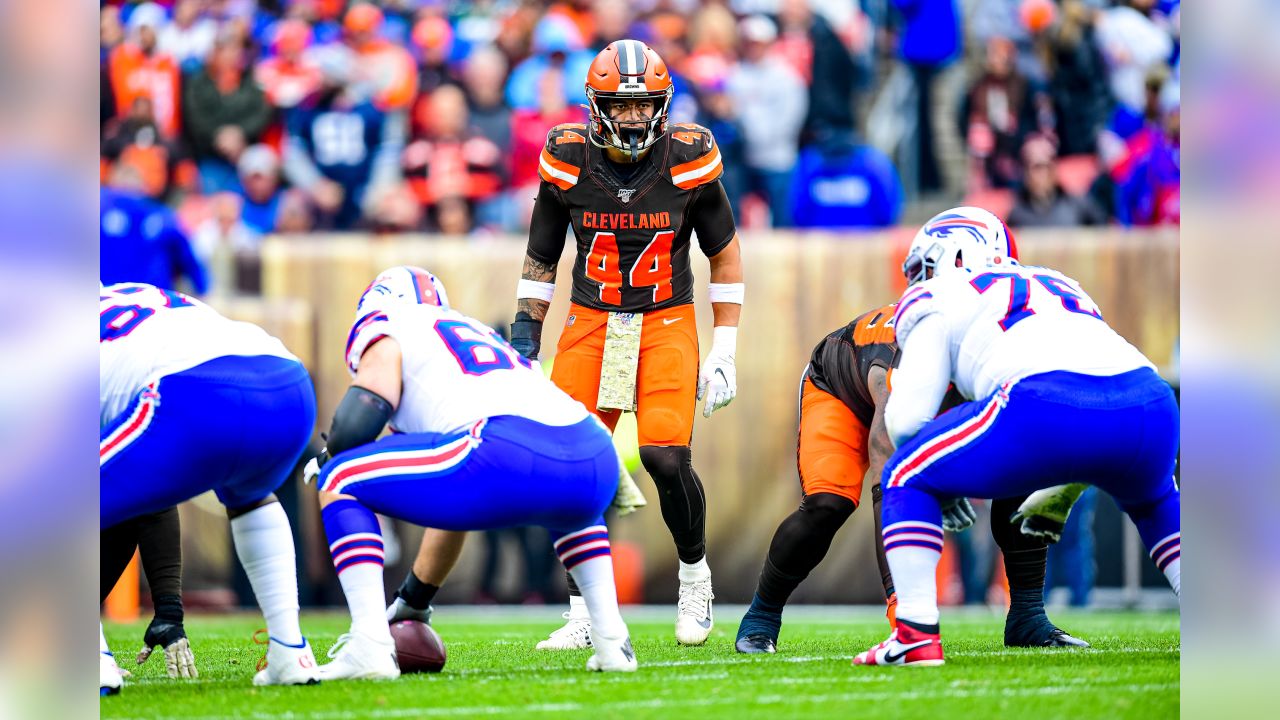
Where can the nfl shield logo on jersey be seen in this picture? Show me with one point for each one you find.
(624, 194)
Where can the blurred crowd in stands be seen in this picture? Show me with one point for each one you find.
(224, 121)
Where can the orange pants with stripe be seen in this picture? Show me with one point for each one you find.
(832, 448)
(666, 379)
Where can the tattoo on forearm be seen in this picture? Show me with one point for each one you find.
(538, 272)
(537, 309)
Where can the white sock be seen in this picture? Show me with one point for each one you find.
(1173, 573)
(102, 640)
(594, 578)
(578, 607)
(362, 584)
(914, 572)
(264, 545)
(695, 572)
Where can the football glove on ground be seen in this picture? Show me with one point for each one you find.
(179, 661)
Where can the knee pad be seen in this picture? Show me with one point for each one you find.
(827, 510)
(663, 425)
(665, 462)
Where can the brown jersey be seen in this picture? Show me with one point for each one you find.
(633, 224)
(842, 361)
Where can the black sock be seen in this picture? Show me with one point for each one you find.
(799, 544)
(1025, 558)
(415, 593)
(1025, 571)
(573, 586)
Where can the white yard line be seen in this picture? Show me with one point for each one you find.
(510, 673)
(659, 703)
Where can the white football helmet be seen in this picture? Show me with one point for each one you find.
(403, 284)
(962, 237)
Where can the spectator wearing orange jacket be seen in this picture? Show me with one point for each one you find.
(138, 68)
(388, 67)
(288, 78)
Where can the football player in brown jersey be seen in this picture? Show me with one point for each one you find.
(843, 441)
(635, 189)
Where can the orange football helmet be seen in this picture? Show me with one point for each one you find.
(628, 70)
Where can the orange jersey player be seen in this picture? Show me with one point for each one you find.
(842, 442)
(635, 190)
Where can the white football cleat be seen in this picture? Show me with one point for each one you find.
(612, 656)
(573, 635)
(693, 612)
(288, 665)
(109, 674)
(357, 656)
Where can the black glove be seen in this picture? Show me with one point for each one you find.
(526, 335)
(163, 633)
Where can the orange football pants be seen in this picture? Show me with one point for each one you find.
(831, 451)
(666, 379)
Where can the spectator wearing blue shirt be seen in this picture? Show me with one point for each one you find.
(840, 184)
(259, 171)
(559, 47)
(930, 40)
(341, 149)
(141, 240)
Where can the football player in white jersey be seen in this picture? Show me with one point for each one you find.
(191, 402)
(481, 440)
(1056, 397)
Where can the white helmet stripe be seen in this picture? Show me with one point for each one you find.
(633, 56)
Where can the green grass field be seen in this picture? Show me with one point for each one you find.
(493, 671)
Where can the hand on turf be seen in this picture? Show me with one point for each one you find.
(718, 381)
(400, 610)
(179, 661)
(958, 515)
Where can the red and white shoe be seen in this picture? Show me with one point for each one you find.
(906, 646)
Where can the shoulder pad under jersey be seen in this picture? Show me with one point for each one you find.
(564, 155)
(695, 156)
(875, 327)
(916, 303)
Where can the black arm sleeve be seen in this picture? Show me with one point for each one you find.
(712, 217)
(358, 420)
(160, 545)
(548, 226)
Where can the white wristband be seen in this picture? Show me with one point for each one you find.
(727, 292)
(534, 289)
(724, 340)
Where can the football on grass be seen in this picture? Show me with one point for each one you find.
(418, 647)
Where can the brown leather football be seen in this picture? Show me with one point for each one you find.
(418, 647)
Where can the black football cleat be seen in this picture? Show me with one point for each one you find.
(757, 645)
(1062, 638)
(1037, 631)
